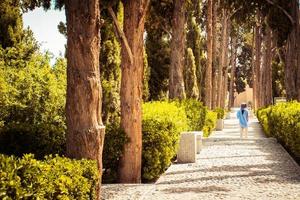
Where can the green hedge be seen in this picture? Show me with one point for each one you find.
(53, 178)
(195, 112)
(32, 105)
(210, 123)
(161, 127)
(114, 142)
(282, 121)
(220, 113)
(162, 124)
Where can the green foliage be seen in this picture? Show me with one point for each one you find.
(220, 113)
(162, 124)
(195, 112)
(114, 142)
(32, 103)
(161, 127)
(158, 52)
(210, 123)
(11, 24)
(278, 78)
(195, 41)
(146, 77)
(263, 117)
(274, 13)
(282, 121)
(53, 178)
(158, 27)
(110, 69)
(190, 78)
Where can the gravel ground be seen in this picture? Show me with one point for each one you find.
(227, 168)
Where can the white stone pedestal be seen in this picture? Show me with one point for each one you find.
(220, 124)
(199, 136)
(187, 148)
(228, 115)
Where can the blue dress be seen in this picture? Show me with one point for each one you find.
(243, 118)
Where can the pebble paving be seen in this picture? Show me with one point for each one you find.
(228, 167)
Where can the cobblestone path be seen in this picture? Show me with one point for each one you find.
(227, 168)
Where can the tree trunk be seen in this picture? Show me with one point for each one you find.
(258, 61)
(222, 60)
(224, 90)
(268, 99)
(292, 81)
(215, 56)
(264, 67)
(254, 78)
(85, 131)
(131, 90)
(232, 73)
(176, 79)
(208, 71)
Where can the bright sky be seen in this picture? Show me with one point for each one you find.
(44, 26)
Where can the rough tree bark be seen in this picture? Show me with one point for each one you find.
(263, 68)
(224, 91)
(222, 59)
(292, 68)
(131, 90)
(253, 70)
(176, 79)
(232, 73)
(85, 132)
(208, 72)
(268, 97)
(215, 56)
(258, 60)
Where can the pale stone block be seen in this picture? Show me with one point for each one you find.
(228, 115)
(220, 124)
(199, 136)
(187, 148)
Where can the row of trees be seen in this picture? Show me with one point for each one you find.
(195, 49)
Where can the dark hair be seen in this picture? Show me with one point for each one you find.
(243, 106)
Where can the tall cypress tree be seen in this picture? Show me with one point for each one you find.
(11, 23)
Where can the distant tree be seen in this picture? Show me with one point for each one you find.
(158, 28)
(194, 39)
(11, 31)
(190, 76)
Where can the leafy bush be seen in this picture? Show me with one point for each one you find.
(162, 124)
(161, 127)
(53, 178)
(220, 113)
(195, 112)
(32, 101)
(210, 123)
(114, 142)
(262, 115)
(282, 121)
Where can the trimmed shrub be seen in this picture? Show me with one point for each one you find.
(262, 115)
(220, 113)
(162, 124)
(210, 123)
(195, 112)
(32, 105)
(114, 142)
(282, 121)
(53, 178)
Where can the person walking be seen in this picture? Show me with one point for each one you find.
(243, 118)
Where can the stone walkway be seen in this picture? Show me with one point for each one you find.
(227, 168)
